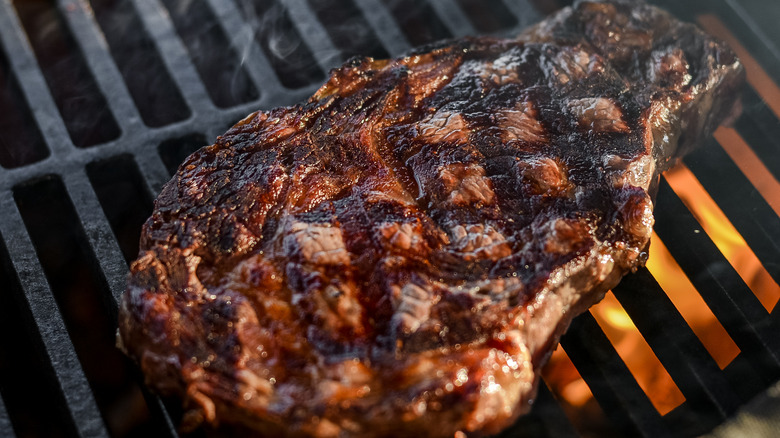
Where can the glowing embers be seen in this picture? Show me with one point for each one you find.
(724, 235)
(690, 304)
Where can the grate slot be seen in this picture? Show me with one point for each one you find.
(35, 405)
(453, 17)
(174, 151)
(348, 29)
(488, 15)
(21, 142)
(217, 63)
(609, 379)
(123, 197)
(85, 304)
(287, 53)
(679, 350)
(153, 90)
(76, 94)
(418, 21)
(732, 302)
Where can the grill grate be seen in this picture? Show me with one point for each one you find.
(84, 153)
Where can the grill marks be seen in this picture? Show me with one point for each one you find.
(492, 106)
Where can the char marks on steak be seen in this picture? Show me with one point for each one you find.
(399, 255)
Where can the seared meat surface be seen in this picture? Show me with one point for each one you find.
(399, 255)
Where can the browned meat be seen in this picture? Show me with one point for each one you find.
(399, 255)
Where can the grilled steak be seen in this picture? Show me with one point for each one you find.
(399, 255)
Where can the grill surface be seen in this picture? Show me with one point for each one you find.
(101, 100)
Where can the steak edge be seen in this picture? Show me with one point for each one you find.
(400, 254)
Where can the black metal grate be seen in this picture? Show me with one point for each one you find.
(101, 100)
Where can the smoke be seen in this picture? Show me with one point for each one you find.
(269, 26)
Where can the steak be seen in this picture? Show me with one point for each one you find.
(399, 255)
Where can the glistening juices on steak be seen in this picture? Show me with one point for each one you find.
(399, 255)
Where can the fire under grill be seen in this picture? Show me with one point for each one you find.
(101, 100)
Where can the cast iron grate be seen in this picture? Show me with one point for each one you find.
(102, 99)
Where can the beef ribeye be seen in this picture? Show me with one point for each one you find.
(399, 255)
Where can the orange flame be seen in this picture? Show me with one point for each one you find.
(637, 354)
(724, 235)
(690, 304)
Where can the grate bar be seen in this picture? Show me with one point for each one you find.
(610, 380)
(5, 424)
(94, 48)
(242, 38)
(453, 17)
(745, 208)
(381, 20)
(41, 103)
(692, 368)
(98, 231)
(737, 20)
(153, 170)
(313, 33)
(44, 309)
(174, 54)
